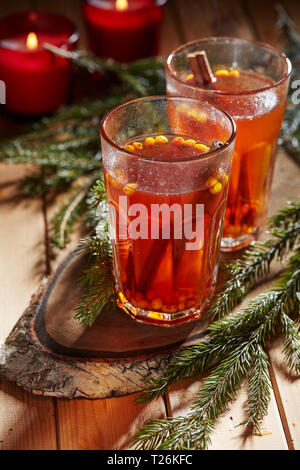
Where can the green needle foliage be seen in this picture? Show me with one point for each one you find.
(234, 351)
(98, 279)
(66, 144)
(246, 272)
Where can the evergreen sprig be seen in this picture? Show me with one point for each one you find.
(244, 336)
(66, 144)
(255, 264)
(98, 280)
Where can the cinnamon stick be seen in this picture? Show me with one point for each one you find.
(201, 69)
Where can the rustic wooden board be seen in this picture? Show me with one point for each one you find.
(51, 353)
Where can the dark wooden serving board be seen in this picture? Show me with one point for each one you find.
(50, 353)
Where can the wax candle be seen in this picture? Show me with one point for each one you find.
(125, 30)
(36, 80)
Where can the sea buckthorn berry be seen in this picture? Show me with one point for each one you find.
(161, 139)
(189, 142)
(177, 141)
(141, 303)
(182, 298)
(169, 308)
(216, 188)
(181, 306)
(115, 183)
(190, 77)
(130, 188)
(222, 73)
(149, 142)
(107, 176)
(190, 303)
(201, 147)
(150, 295)
(211, 182)
(137, 145)
(223, 177)
(129, 148)
(156, 304)
(138, 296)
(234, 73)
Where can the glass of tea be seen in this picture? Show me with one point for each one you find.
(167, 165)
(250, 81)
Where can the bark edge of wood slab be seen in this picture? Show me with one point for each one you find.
(49, 353)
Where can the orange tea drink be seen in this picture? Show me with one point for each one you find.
(250, 82)
(166, 185)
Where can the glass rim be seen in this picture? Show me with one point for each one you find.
(142, 157)
(287, 62)
(71, 39)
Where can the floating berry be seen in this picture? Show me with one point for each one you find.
(149, 142)
(130, 188)
(129, 148)
(201, 147)
(222, 73)
(189, 142)
(216, 188)
(156, 304)
(177, 141)
(138, 145)
(161, 139)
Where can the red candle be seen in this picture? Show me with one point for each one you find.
(125, 30)
(36, 80)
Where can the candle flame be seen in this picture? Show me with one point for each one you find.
(32, 41)
(121, 5)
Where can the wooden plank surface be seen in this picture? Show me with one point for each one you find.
(28, 422)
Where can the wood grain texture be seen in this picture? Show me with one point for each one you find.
(25, 421)
(103, 424)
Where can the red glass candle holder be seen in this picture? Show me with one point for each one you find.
(124, 30)
(36, 80)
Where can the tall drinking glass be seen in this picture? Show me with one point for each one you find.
(166, 189)
(251, 84)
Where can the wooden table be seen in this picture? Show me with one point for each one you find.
(30, 422)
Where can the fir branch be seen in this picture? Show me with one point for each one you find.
(291, 343)
(126, 74)
(255, 264)
(259, 389)
(286, 216)
(98, 279)
(45, 156)
(249, 331)
(98, 191)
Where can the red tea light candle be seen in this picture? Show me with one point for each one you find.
(124, 30)
(36, 80)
